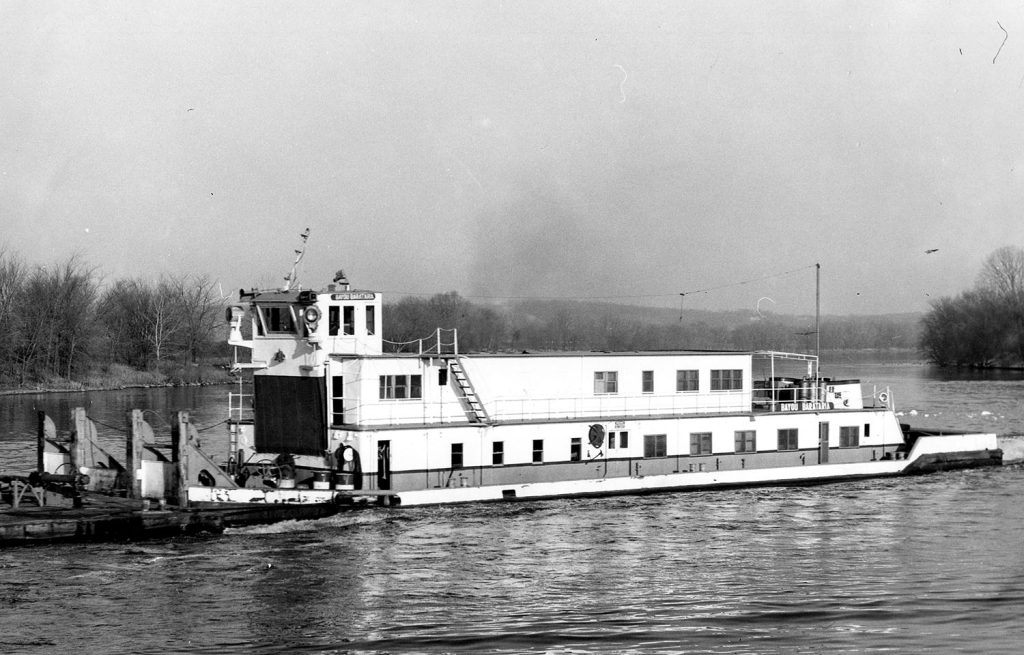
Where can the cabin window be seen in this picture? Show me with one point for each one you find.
(349, 320)
(648, 381)
(538, 451)
(575, 450)
(849, 436)
(787, 439)
(457, 462)
(401, 387)
(655, 445)
(337, 400)
(442, 377)
(726, 380)
(746, 441)
(623, 440)
(700, 443)
(611, 440)
(279, 319)
(867, 429)
(333, 320)
(498, 453)
(606, 382)
(371, 319)
(687, 381)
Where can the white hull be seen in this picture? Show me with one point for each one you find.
(951, 446)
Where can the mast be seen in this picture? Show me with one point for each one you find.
(817, 316)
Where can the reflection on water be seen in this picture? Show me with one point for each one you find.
(928, 397)
(931, 563)
(108, 409)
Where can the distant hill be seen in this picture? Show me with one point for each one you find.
(591, 325)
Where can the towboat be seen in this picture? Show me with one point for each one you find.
(334, 417)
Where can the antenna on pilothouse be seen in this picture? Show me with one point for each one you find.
(291, 278)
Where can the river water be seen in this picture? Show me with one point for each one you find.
(900, 565)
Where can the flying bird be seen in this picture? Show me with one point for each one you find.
(931, 250)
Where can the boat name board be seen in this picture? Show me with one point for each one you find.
(353, 295)
(792, 407)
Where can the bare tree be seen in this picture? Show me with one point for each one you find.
(53, 319)
(1003, 273)
(12, 278)
(199, 310)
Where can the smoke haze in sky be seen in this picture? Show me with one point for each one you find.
(506, 149)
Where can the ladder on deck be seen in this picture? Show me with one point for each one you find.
(474, 408)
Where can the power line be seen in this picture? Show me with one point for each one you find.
(757, 279)
(613, 297)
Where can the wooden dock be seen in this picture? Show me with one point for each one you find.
(80, 492)
(105, 518)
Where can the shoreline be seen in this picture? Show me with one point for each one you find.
(85, 389)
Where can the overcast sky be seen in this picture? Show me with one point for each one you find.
(569, 149)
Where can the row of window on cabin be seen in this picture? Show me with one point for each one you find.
(656, 445)
(607, 382)
(399, 387)
(341, 320)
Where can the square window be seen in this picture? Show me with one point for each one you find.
(849, 436)
(745, 441)
(700, 443)
(687, 381)
(788, 439)
(655, 445)
(606, 382)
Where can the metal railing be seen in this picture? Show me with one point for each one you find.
(434, 344)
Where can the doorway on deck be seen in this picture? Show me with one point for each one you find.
(384, 464)
(823, 442)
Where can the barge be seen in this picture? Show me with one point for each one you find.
(332, 416)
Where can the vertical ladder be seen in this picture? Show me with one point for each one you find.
(474, 408)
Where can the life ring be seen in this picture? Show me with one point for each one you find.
(883, 398)
(312, 314)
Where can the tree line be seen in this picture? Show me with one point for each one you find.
(538, 325)
(63, 321)
(983, 326)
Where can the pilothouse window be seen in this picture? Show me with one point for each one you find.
(350, 320)
(333, 320)
(278, 319)
(371, 320)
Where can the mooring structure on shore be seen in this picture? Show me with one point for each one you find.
(81, 491)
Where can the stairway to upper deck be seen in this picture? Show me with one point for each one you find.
(475, 409)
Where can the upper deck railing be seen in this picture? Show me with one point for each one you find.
(444, 341)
